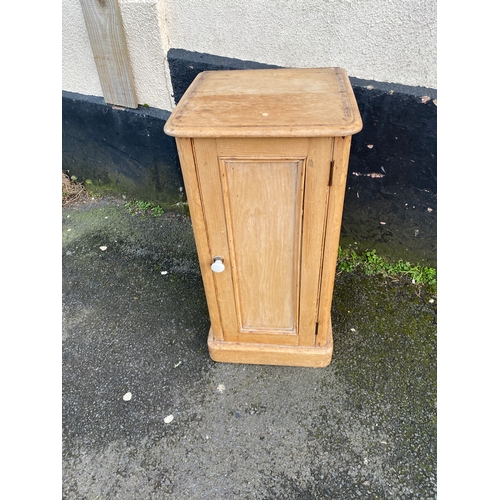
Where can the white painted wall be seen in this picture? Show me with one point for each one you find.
(79, 73)
(383, 40)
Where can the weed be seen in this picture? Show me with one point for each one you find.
(94, 194)
(143, 207)
(371, 263)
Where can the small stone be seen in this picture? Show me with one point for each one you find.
(103, 248)
(169, 419)
(127, 397)
(164, 272)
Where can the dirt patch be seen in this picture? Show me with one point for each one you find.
(73, 192)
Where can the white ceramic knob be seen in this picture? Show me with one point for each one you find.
(218, 265)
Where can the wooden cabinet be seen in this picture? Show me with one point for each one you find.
(264, 157)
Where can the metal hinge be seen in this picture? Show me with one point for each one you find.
(330, 179)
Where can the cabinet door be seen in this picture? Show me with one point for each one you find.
(264, 204)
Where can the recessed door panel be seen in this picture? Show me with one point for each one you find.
(263, 205)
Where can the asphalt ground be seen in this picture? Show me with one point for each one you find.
(135, 322)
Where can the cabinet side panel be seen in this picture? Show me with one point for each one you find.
(341, 150)
(313, 232)
(188, 166)
(263, 208)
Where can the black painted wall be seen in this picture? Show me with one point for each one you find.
(120, 150)
(391, 192)
(390, 202)
(399, 126)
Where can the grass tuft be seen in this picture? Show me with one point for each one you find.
(144, 207)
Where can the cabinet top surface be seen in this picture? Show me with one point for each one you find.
(267, 103)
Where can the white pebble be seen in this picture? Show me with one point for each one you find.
(127, 397)
(103, 248)
(164, 272)
(169, 419)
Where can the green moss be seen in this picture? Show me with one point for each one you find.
(372, 264)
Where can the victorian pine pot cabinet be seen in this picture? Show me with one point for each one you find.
(264, 157)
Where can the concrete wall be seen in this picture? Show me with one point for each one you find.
(381, 40)
(387, 47)
(79, 73)
(384, 40)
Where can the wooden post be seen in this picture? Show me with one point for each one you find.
(107, 39)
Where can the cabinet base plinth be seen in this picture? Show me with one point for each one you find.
(270, 354)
